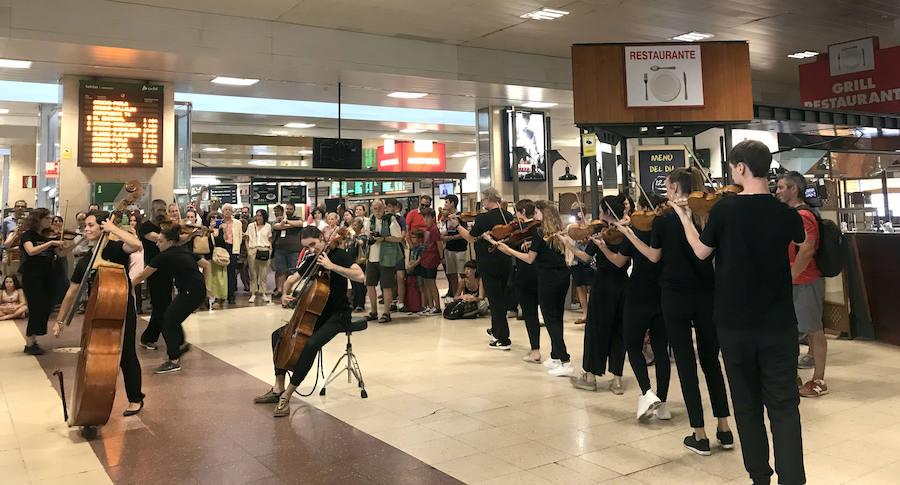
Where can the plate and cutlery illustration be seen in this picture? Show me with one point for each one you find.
(664, 84)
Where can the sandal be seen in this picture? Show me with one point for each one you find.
(385, 318)
(580, 321)
(371, 316)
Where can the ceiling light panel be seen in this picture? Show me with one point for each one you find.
(692, 36)
(803, 55)
(235, 81)
(544, 14)
(412, 130)
(213, 149)
(299, 125)
(4, 111)
(407, 95)
(538, 104)
(15, 64)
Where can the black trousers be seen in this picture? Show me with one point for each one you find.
(527, 293)
(160, 284)
(640, 317)
(129, 363)
(495, 288)
(762, 373)
(232, 269)
(552, 289)
(39, 288)
(680, 311)
(182, 306)
(326, 329)
(604, 345)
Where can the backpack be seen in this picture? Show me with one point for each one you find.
(830, 255)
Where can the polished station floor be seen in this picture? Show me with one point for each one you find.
(442, 408)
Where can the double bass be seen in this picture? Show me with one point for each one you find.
(94, 389)
(310, 294)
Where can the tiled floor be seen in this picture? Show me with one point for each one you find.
(437, 393)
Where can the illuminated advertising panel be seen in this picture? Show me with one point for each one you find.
(418, 156)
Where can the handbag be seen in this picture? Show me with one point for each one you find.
(221, 257)
(263, 254)
(201, 245)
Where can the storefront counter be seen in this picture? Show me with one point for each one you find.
(875, 284)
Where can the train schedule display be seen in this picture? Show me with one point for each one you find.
(119, 124)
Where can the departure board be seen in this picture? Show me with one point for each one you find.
(119, 124)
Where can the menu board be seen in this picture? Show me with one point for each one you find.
(226, 193)
(654, 163)
(295, 194)
(397, 187)
(264, 193)
(119, 124)
(368, 188)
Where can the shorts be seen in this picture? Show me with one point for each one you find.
(285, 261)
(582, 274)
(809, 301)
(427, 273)
(376, 273)
(455, 261)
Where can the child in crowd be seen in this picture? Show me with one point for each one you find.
(431, 258)
(469, 301)
(413, 270)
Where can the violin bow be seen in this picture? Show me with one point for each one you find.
(644, 193)
(699, 167)
(62, 229)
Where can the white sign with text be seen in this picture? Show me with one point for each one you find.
(663, 75)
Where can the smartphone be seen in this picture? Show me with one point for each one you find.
(218, 223)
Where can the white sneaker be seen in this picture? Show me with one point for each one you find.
(252, 299)
(267, 298)
(662, 412)
(647, 404)
(551, 363)
(564, 369)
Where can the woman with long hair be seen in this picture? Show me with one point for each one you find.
(687, 304)
(12, 299)
(38, 254)
(548, 253)
(604, 347)
(582, 273)
(259, 252)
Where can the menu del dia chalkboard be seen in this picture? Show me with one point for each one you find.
(226, 193)
(655, 163)
(295, 194)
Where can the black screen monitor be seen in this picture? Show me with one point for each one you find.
(337, 153)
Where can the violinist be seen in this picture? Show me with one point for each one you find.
(38, 253)
(603, 343)
(119, 252)
(494, 267)
(177, 262)
(334, 319)
(548, 257)
(686, 284)
(582, 273)
(754, 311)
(61, 262)
(160, 283)
(456, 248)
(643, 313)
(526, 285)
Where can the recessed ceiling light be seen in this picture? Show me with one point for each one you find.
(15, 64)
(803, 55)
(213, 149)
(407, 95)
(462, 154)
(305, 152)
(262, 163)
(544, 14)
(235, 81)
(412, 130)
(692, 36)
(299, 125)
(390, 137)
(538, 104)
(4, 111)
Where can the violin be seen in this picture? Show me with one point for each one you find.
(469, 216)
(609, 233)
(525, 232)
(702, 202)
(642, 220)
(67, 234)
(186, 228)
(503, 231)
(310, 295)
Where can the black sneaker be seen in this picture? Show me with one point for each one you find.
(700, 447)
(725, 439)
(496, 344)
(404, 309)
(169, 366)
(393, 307)
(150, 345)
(34, 350)
(184, 348)
(490, 332)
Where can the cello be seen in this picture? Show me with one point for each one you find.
(94, 389)
(310, 294)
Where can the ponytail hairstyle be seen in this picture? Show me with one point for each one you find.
(552, 224)
(613, 205)
(688, 179)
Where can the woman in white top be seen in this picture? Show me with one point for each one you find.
(259, 252)
(12, 299)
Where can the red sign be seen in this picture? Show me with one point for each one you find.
(29, 181)
(51, 170)
(420, 156)
(854, 76)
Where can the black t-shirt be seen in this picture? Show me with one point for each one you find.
(644, 281)
(179, 262)
(288, 239)
(456, 244)
(39, 263)
(337, 296)
(150, 247)
(753, 272)
(114, 252)
(681, 270)
(492, 263)
(604, 265)
(549, 262)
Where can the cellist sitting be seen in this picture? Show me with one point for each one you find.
(335, 316)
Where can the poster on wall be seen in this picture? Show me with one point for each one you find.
(294, 194)
(266, 193)
(528, 147)
(663, 75)
(654, 163)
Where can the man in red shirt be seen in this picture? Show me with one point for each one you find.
(809, 285)
(414, 218)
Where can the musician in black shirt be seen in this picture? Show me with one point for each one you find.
(96, 223)
(334, 319)
(754, 311)
(160, 284)
(493, 266)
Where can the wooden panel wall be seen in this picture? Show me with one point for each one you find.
(598, 78)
